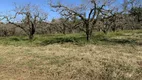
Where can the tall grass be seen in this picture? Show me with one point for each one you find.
(71, 57)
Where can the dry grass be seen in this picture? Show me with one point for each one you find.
(71, 62)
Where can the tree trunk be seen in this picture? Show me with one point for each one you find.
(64, 30)
(114, 28)
(31, 36)
(104, 31)
(32, 32)
(88, 35)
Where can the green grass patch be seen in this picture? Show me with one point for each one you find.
(119, 37)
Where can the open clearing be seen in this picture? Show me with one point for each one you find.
(115, 58)
(71, 62)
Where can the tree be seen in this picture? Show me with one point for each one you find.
(88, 14)
(117, 16)
(65, 25)
(61, 24)
(134, 9)
(30, 16)
(137, 12)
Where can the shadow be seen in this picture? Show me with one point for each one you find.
(14, 39)
(119, 41)
(139, 43)
(62, 40)
(18, 39)
(82, 40)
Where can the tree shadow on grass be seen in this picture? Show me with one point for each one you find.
(14, 39)
(82, 41)
(119, 41)
(18, 39)
(62, 40)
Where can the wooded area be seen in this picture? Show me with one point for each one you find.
(89, 17)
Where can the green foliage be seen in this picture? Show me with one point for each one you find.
(120, 37)
(77, 39)
(137, 11)
(14, 39)
(59, 40)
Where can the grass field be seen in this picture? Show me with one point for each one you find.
(115, 56)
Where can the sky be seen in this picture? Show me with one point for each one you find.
(8, 5)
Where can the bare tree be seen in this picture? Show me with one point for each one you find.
(61, 24)
(30, 16)
(65, 25)
(134, 9)
(116, 17)
(88, 14)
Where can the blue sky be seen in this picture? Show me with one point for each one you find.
(8, 5)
